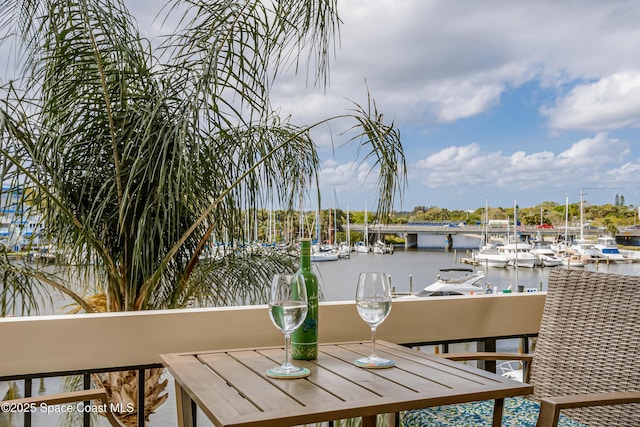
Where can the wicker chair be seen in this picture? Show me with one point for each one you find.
(586, 361)
(98, 395)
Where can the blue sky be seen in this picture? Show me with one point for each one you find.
(496, 100)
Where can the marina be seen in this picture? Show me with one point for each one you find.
(412, 269)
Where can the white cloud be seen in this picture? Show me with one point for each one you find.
(350, 176)
(584, 164)
(588, 152)
(626, 174)
(438, 60)
(457, 100)
(612, 102)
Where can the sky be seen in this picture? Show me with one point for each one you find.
(497, 101)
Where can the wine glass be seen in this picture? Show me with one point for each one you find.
(373, 301)
(287, 310)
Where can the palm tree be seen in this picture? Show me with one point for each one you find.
(136, 156)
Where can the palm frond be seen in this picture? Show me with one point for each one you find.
(136, 157)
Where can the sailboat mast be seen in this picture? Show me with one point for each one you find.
(348, 229)
(330, 230)
(581, 211)
(515, 228)
(566, 220)
(318, 237)
(366, 230)
(485, 225)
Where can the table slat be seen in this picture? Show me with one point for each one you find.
(251, 384)
(324, 376)
(209, 391)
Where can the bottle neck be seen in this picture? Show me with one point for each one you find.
(305, 255)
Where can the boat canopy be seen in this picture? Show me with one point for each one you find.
(446, 270)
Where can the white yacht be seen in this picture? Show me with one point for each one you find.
(519, 254)
(584, 248)
(466, 284)
(608, 249)
(546, 256)
(489, 256)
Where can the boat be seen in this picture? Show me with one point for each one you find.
(324, 252)
(585, 249)
(380, 247)
(324, 256)
(519, 254)
(546, 256)
(575, 260)
(362, 247)
(344, 250)
(465, 284)
(489, 256)
(511, 369)
(608, 249)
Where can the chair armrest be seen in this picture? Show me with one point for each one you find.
(550, 407)
(68, 397)
(487, 356)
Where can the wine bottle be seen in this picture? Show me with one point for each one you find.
(304, 340)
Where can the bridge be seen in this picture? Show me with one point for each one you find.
(410, 232)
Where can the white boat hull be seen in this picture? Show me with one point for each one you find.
(324, 256)
(493, 262)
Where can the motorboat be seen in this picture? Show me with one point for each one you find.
(575, 260)
(585, 248)
(608, 249)
(546, 256)
(465, 282)
(519, 254)
(511, 369)
(489, 256)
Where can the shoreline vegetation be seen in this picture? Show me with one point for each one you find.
(282, 226)
(333, 223)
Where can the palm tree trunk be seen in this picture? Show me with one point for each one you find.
(122, 390)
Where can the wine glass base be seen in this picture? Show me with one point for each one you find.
(374, 363)
(288, 374)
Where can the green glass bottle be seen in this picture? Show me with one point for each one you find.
(304, 340)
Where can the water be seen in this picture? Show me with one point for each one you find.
(338, 279)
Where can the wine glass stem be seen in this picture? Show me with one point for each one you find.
(287, 345)
(373, 343)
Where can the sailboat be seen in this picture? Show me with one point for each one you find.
(488, 254)
(344, 249)
(518, 252)
(582, 247)
(363, 247)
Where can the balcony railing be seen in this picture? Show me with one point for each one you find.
(36, 347)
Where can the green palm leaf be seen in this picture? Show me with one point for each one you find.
(137, 156)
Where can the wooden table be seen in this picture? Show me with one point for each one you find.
(231, 388)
